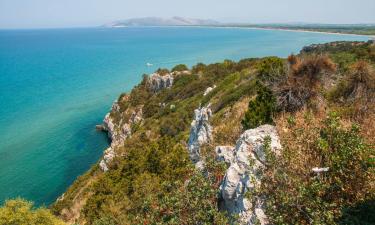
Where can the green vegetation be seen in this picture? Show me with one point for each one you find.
(261, 109)
(271, 68)
(180, 67)
(320, 198)
(361, 29)
(21, 212)
(152, 179)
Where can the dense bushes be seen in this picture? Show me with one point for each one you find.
(271, 68)
(180, 67)
(21, 212)
(261, 109)
(292, 186)
(303, 82)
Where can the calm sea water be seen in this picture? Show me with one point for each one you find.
(56, 85)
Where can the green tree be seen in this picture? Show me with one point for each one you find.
(21, 212)
(261, 109)
(180, 67)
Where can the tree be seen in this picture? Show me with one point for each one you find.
(21, 212)
(261, 109)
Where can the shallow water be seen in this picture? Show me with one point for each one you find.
(57, 84)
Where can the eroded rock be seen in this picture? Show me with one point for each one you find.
(208, 90)
(108, 156)
(200, 133)
(119, 131)
(224, 154)
(158, 82)
(245, 173)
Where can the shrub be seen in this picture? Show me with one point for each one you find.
(21, 212)
(261, 109)
(162, 71)
(199, 68)
(291, 186)
(270, 68)
(180, 67)
(303, 81)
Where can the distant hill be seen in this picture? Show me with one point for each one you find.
(158, 21)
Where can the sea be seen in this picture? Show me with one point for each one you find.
(57, 84)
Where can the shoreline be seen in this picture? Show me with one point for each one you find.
(255, 28)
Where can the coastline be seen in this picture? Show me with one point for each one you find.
(256, 28)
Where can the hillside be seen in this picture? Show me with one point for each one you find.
(190, 146)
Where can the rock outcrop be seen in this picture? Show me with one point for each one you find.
(208, 90)
(245, 173)
(118, 132)
(158, 82)
(200, 133)
(225, 154)
(108, 156)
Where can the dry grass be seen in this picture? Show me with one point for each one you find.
(227, 125)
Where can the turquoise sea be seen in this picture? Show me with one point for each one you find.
(57, 84)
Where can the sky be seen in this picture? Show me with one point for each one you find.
(83, 13)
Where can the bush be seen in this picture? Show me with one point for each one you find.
(180, 67)
(291, 186)
(21, 212)
(270, 68)
(303, 81)
(162, 71)
(261, 109)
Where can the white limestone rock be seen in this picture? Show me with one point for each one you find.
(245, 173)
(224, 154)
(158, 82)
(200, 133)
(108, 156)
(208, 90)
(118, 132)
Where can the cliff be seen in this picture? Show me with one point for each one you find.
(237, 142)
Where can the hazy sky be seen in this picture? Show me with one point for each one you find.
(73, 13)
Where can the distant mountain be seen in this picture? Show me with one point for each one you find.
(158, 21)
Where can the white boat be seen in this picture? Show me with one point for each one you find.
(149, 64)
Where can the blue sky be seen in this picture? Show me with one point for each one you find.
(76, 13)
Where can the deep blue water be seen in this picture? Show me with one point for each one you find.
(56, 85)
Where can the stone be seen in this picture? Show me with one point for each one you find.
(208, 90)
(200, 132)
(225, 154)
(108, 156)
(245, 173)
(158, 82)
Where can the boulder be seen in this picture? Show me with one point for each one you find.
(245, 173)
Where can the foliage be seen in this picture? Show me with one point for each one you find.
(270, 68)
(162, 71)
(180, 67)
(21, 212)
(303, 82)
(261, 109)
(291, 186)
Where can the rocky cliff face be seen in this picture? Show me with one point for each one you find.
(247, 161)
(158, 82)
(200, 133)
(118, 132)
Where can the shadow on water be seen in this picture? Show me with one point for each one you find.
(360, 214)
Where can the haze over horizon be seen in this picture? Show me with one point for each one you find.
(85, 13)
